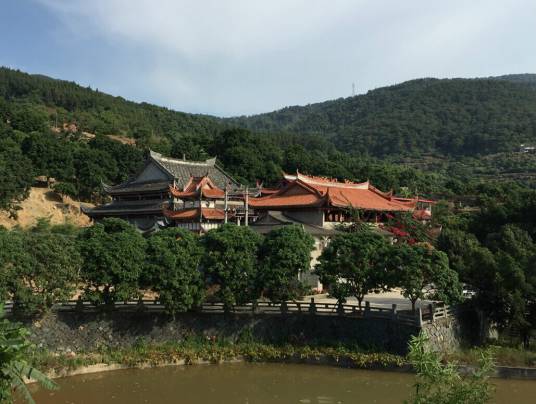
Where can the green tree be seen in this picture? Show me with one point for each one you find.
(16, 172)
(47, 273)
(15, 350)
(93, 166)
(440, 383)
(515, 280)
(13, 258)
(28, 118)
(459, 246)
(113, 254)
(248, 157)
(66, 188)
(441, 214)
(128, 159)
(172, 269)
(283, 255)
(230, 263)
(501, 271)
(50, 156)
(351, 265)
(421, 271)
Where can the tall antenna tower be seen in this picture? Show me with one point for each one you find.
(353, 89)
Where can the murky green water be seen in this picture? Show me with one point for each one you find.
(252, 384)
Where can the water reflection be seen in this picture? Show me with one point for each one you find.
(251, 384)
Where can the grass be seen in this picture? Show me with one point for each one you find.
(214, 351)
(144, 353)
(502, 355)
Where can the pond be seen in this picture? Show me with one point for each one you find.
(245, 383)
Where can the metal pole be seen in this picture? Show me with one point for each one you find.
(225, 205)
(247, 206)
(200, 208)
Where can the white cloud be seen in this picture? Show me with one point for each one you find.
(248, 56)
(201, 28)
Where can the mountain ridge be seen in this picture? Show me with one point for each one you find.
(445, 116)
(412, 136)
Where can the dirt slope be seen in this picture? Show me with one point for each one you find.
(45, 203)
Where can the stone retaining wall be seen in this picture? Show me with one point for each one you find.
(71, 331)
(444, 335)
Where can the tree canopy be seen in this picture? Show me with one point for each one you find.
(172, 269)
(352, 264)
(47, 271)
(284, 255)
(112, 254)
(422, 271)
(230, 262)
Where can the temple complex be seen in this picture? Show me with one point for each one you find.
(144, 199)
(200, 196)
(201, 205)
(322, 205)
(326, 203)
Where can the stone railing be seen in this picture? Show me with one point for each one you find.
(421, 316)
(434, 312)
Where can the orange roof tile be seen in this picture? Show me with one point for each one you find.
(193, 213)
(307, 191)
(198, 185)
(268, 191)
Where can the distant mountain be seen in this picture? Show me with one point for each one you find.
(93, 111)
(453, 117)
(446, 117)
(528, 79)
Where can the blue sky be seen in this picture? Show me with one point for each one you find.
(234, 57)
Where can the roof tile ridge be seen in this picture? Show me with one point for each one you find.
(276, 194)
(326, 182)
(310, 187)
(386, 195)
(189, 183)
(205, 180)
(161, 158)
(157, 159)
(328, 197)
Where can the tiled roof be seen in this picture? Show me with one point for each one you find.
(364, 199)
(197, 185)
(326, 182)
(183, 170)
(193, 213)
(267, 191)
(180, 171)
(272, 220)
(119, 208)
(306, 191)
(136, 187)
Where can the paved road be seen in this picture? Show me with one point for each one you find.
(381, 299)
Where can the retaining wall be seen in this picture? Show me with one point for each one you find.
(72, 331)
(444, 334)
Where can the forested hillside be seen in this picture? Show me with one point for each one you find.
(44, 123)
(420, 137)
(31, 100)
(450, 117)
(525, 79)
